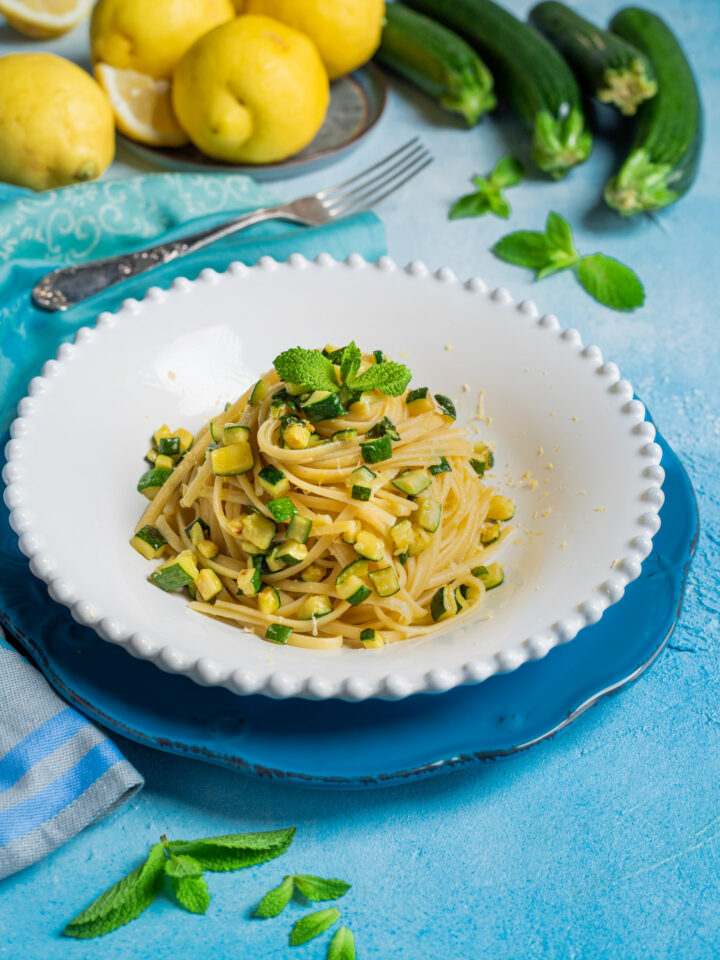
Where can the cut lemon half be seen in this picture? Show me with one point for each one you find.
(45, 18)
(142, 106)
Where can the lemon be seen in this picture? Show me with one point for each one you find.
(346, 32)
(150, 36)
(56, 124)
(142, 106)
(44, 18)
(251, 91)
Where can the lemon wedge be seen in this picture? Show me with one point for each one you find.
(142, 106)
(45, 18)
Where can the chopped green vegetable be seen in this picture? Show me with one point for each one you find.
(277, 633)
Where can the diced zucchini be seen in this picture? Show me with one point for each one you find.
(208, 584)
(334, 354)
(317, 441)
(484, 459)
(412, 482)
(208, 549)
(268, 600)
(164, 431)
(197, 531)
(313, 574)
(379, 356)
(299, 528)
(403, 557)
(192, 591)
(313, 607)
(360, 493)
(291, 552)
(351, 534)
(273, 481)
(371, 639)
(282, 509)
(232, 460)
(176, 573)
(385, 581)
(249, 582)
(369, 546)
(273, 562)
(280, 408)
(216, 431)
(373, 451)
(428, 516)
(259, 530)
(277, 633)
(151, 456)
(501, 508)
(421, 541)
(443, 604)
(383, 428)
(446, 406)
(489, 533)
(235, 433)
(358, 568)
(354, 591)
(402, 535)
(345, 434)
(364, 404)
(258, 393)
(150, 482)
(362, 475)
(323, 405)
(491, 576)
(296, 436)
(149, 542)
(295, 389)
(419, 401)
(251, 549)
(466, 595)
(187, 439)
(169, 446)
(164, 462)
(442, 467)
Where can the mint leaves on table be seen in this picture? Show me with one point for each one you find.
(314, 370)
(342, 945)
(183, 862)
(488, 197)
(312, 925)
(608, 281)
(311, 887)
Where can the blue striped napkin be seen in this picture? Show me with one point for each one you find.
(58, 773)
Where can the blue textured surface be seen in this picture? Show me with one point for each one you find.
(601, 843)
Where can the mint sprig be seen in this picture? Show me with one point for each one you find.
(488, 196)
(275, 900)
(312, 370)
(306, 368)
(183, 861)
(342, 945)
(312, 925)
(312, 888)
(607, 280)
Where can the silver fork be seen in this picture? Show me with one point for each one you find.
(67, 286)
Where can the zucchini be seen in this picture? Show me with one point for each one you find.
(164, 462)
(353, 529)
(419, 401)
(383, 428)
(273, 481)
(216, 432)
(357, 569)
(295, 434)
(259, 530)
(607, 66)
(235, 433)
(277, 633)
(258, 393)
(437, 61)
(323, 405)
(268, 600)
(169, 446)
(208, 549)
(345, 434)
(663, 159)
(180, 571)
(282, 509)
(313, 574)
(369, 546)
(249, 582)
(358, 492)
(421, 540)
(530, 74)
(232, 460)
(402, 535)
(447, 407)
(442, 467)
(373, 451)
(299, 529)
(208, 584)
(291, 552)
(149, 542)
(359, 482)
(412, 482)
(313, 607)
(362, 406)
(489, 533)
(197, 531)
(353, 591)
(428, 516)
(491, 576)
(160, 434)
(500, 508)
(443, 604)
(370, 638)
(150, 482)
(385, 581)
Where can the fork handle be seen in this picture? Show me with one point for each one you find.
(68, 286)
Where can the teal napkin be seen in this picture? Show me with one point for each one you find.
(39, 232)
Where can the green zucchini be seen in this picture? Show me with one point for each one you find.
(373, 451)
(530, 74)
(313, 607)
(299, 529)
(277, 633)
(149, 542)
(323, 405)
(663, 159)
(385, 581)
(412, 482)
(259, 530)
(437, 61)
(150, 482)
(179, 571)
(282, 509)
(607, 66)
(249, 582)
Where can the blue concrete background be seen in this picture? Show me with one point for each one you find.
(602, 843)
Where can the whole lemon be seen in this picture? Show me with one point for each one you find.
(44, 18)
(346, 32)
(56, 124)
(251, 91)
(150, 36)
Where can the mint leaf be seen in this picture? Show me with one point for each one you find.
(390, 377)
(183, 866)
(317, 888)
(610, 282)
(275, 901)
(499, 205)
(350, 363)
(342, 945)
(235, 850)
(559, 234)
(471, 205)
(192, 893)
(306, 368)
(312, 925)
(507, 173)
(525, 248)
(122, 902)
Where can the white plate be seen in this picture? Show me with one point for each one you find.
(582, 534)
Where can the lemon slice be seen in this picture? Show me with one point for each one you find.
(142, 106)
(45, 18)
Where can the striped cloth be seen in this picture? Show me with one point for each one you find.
(58, 773)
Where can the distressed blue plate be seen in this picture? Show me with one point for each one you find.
(375, 743)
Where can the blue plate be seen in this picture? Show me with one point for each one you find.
(375, 743)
